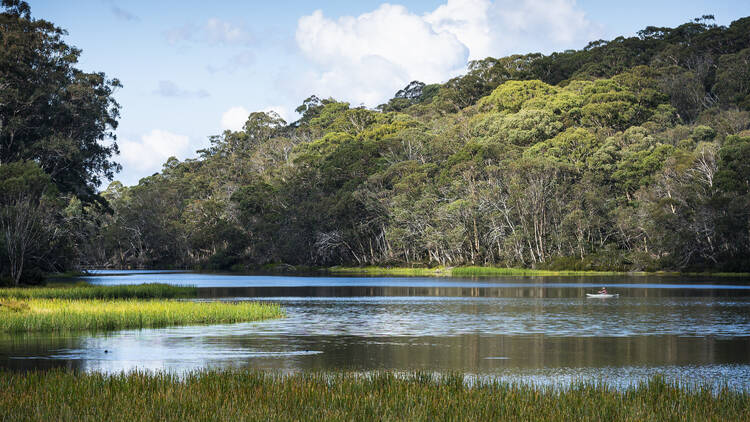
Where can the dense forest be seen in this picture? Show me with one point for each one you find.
(629, 154)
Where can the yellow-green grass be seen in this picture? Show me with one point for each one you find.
(403, 271)
(252, 395)
(89, 291)
(478, 271)
(467, 271)
(488, 271)
(61, 315)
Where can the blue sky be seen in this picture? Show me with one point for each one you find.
(191, 69)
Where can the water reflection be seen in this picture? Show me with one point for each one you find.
(539, 331)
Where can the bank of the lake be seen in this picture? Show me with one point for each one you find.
(253, 395)
(475, 271)
(96, 308)
(84, 290)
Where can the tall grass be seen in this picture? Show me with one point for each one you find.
(402, 271)
(493, 271)
(56, 315)
(474, 271)
(251, 395)
(478, 271)
(88, 291)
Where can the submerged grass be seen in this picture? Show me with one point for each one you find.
(56, 315)
(88, 291)
(252, 395)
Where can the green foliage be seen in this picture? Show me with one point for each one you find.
(626, 155)
(734, 166)
(510, 96)
(50, 111)
(30, 210)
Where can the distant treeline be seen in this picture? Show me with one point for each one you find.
(631, 154)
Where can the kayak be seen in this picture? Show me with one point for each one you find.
(601, 296)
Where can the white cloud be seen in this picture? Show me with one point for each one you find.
(234, 118)
(148, 154)
(531, 25)
(365, 59)
(469, 21)
(282, 111)
(215, 31)
(223, 32)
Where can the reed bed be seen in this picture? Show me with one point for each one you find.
(397, 271)
(479, 271)
(252, 395)
(88, 291)
(474, 271)
(494, 271)
(61, 315)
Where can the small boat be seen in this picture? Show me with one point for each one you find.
(602, 295)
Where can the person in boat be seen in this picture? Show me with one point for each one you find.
(603, 291)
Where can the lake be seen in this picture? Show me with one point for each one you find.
(526, 329)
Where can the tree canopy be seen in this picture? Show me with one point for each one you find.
(629, 154)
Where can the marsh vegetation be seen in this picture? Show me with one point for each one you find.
(252, 395)
(94, 308)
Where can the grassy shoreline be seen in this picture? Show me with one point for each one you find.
(89, 291)
(253, 395)
(63, 315)
(98, 308)
(478, 271)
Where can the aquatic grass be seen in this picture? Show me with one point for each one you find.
(13, 305)
(480, 271)
(62, 315)
(89, 291)
(398, 271)
(477, 271)
(253, 395)
(472, 271)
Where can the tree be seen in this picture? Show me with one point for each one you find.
(27, 217)
(50, 111)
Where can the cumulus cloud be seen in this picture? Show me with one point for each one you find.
(365, 59)
(366, 55)
(544, 26)
(153, 149)
(215, 32)
(468, 21)
(170, 89)
(234, 118)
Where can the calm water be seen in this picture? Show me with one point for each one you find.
(541, 330)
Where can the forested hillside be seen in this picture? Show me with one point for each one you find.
(630, 154)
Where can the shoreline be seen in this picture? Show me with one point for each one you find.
(107, 308)
(475, 271)
(438, 271)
